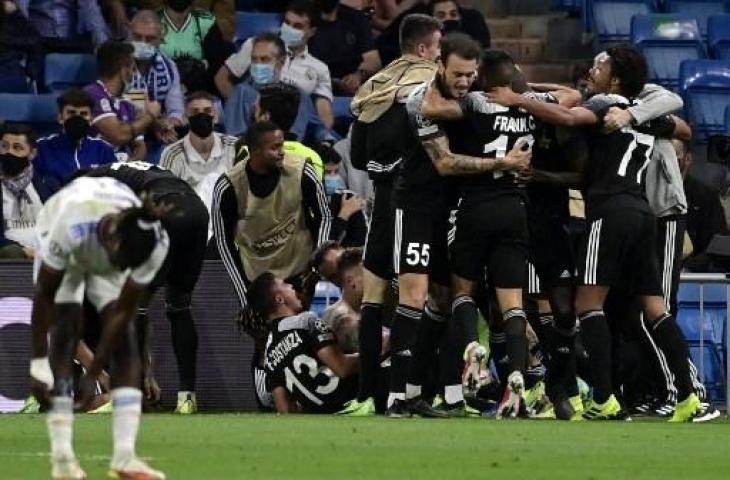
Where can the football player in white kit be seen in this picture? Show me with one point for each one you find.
(95, 238)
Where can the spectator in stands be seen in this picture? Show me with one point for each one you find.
(116, 11)
(344, 42)
(346, 206)
(202, 153)
(343, 316)
(279, 103)
(457, 19)
(22, 191)
(268, 58)
(300, 69)
(67, 25)
(62, 154)
(18, 48)
(705, 215)
(113, 117)
(269, 212)
(157, 77)
(193, 32)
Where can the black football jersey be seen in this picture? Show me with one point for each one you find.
(489, 130)
(291, 361)
(614, 175)
(419, 184)
(143, 176)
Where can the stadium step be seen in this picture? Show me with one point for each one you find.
(509, 27)
(548, 72)
(523, 50)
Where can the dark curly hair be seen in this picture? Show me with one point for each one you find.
(629, 66)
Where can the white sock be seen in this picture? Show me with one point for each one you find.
(127, 403)
(412, 391)
(182, 396)
(453, 394)
(60, 427)
(393, 396)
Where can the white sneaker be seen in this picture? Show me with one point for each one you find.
(512, 398)
(134, 469)
(66, 468)
(475, 373)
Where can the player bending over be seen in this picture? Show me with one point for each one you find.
(96, 238)
(306, 370)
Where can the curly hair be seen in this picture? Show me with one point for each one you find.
(629, 66)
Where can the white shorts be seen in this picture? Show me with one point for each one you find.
(101, 290)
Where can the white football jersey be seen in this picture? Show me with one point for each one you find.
(67, 225)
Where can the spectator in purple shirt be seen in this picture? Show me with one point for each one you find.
(114, 118)
(67, 25)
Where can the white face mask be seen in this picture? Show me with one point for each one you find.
(143, 51)
(291, 36)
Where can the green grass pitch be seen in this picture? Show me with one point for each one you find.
(253, 446)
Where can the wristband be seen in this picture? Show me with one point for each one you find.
(40, 369)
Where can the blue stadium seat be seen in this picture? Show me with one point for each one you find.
(37, 110)
(15, 84)
(727, 119)
(718, 36)
(341, 107)
(65, 70)
(250, 24)
(705, 87)
(666, 40)
(611, 20)
(699, 9)
(325, 294)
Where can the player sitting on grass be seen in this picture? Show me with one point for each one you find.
(306, 370)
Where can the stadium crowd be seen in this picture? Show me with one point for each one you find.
(472, 282)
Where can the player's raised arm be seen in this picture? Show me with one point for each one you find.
(555, 114)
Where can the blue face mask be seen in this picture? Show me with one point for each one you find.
(143, 51)
(262, 73)
(332, 183)
(291, 37)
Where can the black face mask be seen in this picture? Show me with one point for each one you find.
(452, 25)
(11, 165)
(327, 6)
(179, 5)
(201, 124)
(76, 127)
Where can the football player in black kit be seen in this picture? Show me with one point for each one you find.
(423, 200)
(622, 227)
(306, 371)
(187, 227)
(491, 222)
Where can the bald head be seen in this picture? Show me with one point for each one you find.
(146, 27)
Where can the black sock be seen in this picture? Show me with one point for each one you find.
(670, 340)
(185, 345)
(597, 341)
(498, 353)
(430, 332)
(370, 337)
(402, 341)
(465, 317)
(515, 324)
(654, 366)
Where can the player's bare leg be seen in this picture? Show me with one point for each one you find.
(64, 333)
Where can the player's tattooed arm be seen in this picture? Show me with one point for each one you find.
(448, 163)
(436, 107)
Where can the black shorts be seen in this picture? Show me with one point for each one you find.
(550, 251)
(420, 244)
(378, 255)
(491, 234)
(620, 248)
(187, 228)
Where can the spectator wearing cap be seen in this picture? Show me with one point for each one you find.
(268, 58)
(67, 25)
(301, 68)
(114, 118)
(18, 48)
(157, 77)
(60, 155)
(344, 42)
